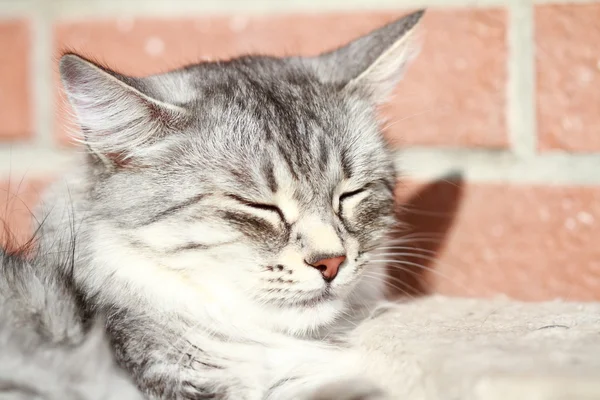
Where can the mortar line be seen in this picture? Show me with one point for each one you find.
(521, 110)
(73, 9)
(16, 8)
(565, 2)
(117, 8)
(477, 165)
(555, 168)
(41, 67)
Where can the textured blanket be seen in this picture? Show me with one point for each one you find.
(442, 348)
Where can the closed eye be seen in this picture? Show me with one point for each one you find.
(258, 206)
(347, 195)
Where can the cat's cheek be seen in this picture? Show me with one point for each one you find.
(373, 224)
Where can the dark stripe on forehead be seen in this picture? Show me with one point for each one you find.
(323, 153)
(346, 164)
(243, 177)
(289, 128)
(269, 173)
(291, 123)
(285, 154)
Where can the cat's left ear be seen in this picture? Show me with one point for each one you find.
(372, 64)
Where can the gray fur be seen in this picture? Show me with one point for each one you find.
(47, 351)
(205, 194)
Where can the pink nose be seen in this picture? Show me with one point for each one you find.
(329, 267)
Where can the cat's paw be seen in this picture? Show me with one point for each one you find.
(356, 389)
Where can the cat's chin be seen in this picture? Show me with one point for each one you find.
(311, 302)
(300, 318)
(307, 314)
(306, 301)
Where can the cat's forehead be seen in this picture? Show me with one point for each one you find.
(282, 131)
(293, 113)
(263, 99)
(301, 158)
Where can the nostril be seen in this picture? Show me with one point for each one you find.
(321, 267)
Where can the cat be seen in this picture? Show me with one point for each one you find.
(227, 213)
(48, 351)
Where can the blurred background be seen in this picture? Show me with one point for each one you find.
(496, 124)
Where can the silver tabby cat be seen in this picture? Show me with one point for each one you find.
(226, 214)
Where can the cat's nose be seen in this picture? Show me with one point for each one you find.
(328, 266)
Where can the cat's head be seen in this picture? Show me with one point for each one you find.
(270, 174)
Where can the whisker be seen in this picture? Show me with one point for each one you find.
(408, 270)
(416, 235)
(404, 248)
(423, 257)
(392, 278)
(416, 255)
(417, 211)
(415, 240)
(423, 267)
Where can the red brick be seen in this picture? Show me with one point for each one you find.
(568, 76)
(18, 197)
(531, 243)
(452, 95)
(15, 108)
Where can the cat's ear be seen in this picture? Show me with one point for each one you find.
(117, 116)
(373, 63)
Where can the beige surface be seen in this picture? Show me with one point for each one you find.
(440, 348)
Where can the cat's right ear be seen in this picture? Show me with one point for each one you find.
(374, 63)
(119, 119)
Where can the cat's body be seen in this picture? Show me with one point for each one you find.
(47, 350)
(226, 215)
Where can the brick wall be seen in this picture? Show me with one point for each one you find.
(506, 92)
